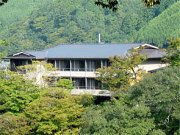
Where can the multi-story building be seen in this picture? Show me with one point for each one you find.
(78, 62)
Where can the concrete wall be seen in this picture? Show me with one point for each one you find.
(149, 65)
(72, 74)
(152, 64)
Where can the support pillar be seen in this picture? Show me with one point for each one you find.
(101, 64)
(85, 66)
(55, 64)
(86, 82)
(70, 65)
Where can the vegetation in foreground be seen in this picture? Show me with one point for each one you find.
(151, 107)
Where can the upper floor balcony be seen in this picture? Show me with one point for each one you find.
(77, 68)
(72, 73)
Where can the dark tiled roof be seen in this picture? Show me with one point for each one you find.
(153, 53)
(84, 51)
(38, 54)
(90, 51)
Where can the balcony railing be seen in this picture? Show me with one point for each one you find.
(82, 87)
(87, 87)
(77, 69)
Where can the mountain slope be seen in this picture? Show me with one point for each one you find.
(16, 10)
(80, 21)
(159, 29)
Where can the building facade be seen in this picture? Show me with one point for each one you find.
(78, 62)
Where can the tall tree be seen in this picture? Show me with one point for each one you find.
(111, 4)
(173, 52)
(2, 2)
(16, 93)
(160, 92)
(3, 43)
(122, 71)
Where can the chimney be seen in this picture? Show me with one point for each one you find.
(99, 38)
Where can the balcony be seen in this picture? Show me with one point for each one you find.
(97, 92)
(76, 68)
(67, 72)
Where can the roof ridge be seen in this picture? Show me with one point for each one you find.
(84, 44)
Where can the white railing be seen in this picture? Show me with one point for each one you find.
(77, 69)
(87, 87)
(81, 87)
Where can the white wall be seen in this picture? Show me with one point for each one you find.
(72, 74)
(152, 65)
(148, 65)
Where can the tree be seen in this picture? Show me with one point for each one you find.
(111, 4)
(14, 125)
(116, 118)
(2, 2)
(77, 21)
(151, 107)
(159, 92)
(16, 93)
(37, 71)
(55, 116)
(167, 24)
(54, 112)
(173, 53)
(65, 84)
(122, 71)
(28, 109)
(3, 43)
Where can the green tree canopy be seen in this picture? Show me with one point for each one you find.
(160, 92)
(173, 52)
(55, 116)
(16, 93)
(118, 118)
(151, 107)
(121, 73)
(65, 84)
(48, 23)
(111, 4)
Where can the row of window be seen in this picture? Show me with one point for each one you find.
(68, 65)
(78, 65)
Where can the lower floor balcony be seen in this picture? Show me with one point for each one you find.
(70, 74)
(97, 92)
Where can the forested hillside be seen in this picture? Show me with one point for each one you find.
(166, 25)
(60, 22)
(16, 10)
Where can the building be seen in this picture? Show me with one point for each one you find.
(78, 62)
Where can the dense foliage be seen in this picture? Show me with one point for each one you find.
(122, 72)
(118, 119)
(111, 4)
(173, 53)
(16, 10)
(149, 108)
(165, 26)
(16, 94)
(65, 84)
(80, 21)
(28, 109)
